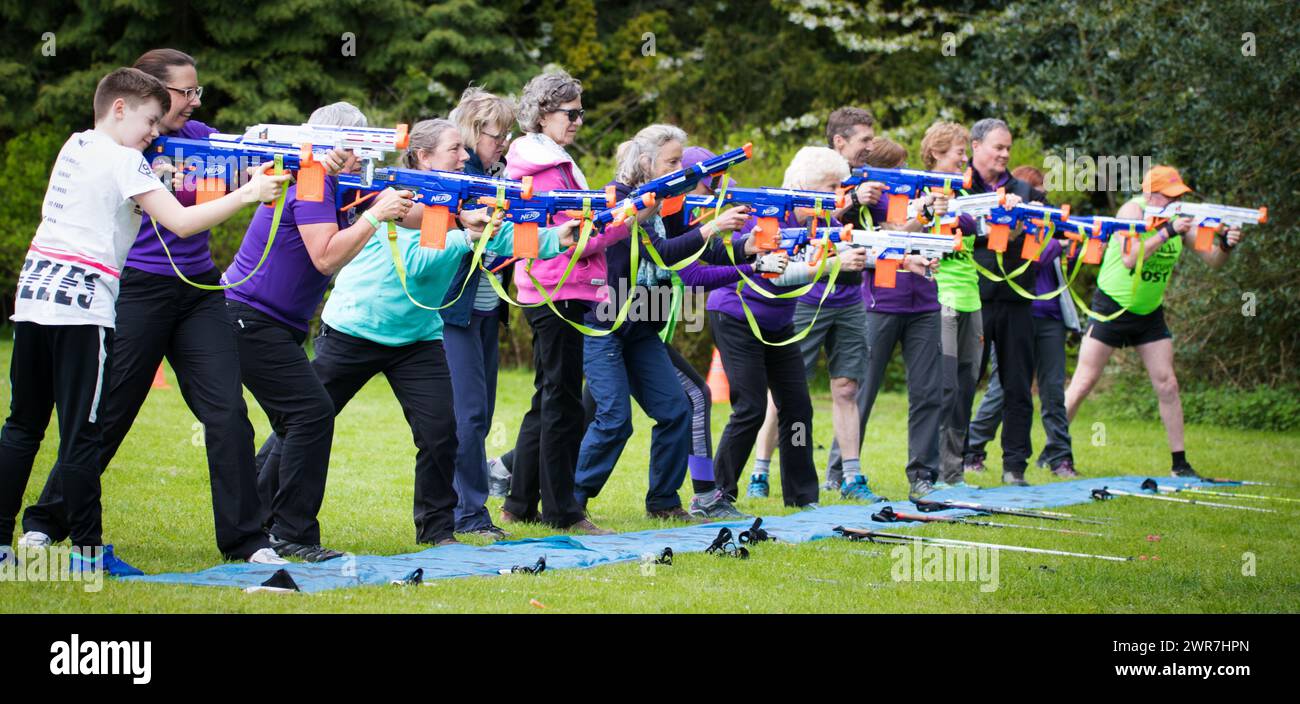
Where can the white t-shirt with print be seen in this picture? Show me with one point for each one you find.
(88, 224)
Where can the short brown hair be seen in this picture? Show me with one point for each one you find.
(885, 153)
(939, 138)
(843, 120)
(131, 84)
(158, 62)
(1031, 175)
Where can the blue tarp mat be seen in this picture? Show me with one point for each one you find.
(564, 551)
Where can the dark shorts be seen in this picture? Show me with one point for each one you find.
(1129, 329)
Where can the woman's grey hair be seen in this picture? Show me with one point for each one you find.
(814, 165)
(636, 157)
(424, 135)
(338, 114)
(985, 127)
(479, 109)
(545, 93)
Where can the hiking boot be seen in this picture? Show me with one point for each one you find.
(856, 490)
(1014, 479)
(834, 479)
(1183, 472)
(975, 463)
(490, 532)
(673, 514)
(1065, 469)
(919, 489)
(586, 527)
(302, 551)
(758, 488)
(714, 506)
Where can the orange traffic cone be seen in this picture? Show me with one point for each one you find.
(717, 381)
(159, 379)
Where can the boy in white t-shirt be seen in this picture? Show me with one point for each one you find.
(63, 311)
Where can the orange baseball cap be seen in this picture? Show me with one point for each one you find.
(1164, 180)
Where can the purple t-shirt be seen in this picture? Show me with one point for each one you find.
(1046, 282)
(191, 254)
(287, 287)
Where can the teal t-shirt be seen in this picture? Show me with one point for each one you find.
(368, 300)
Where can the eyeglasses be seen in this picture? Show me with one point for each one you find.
(189, 93)
(574, 115)
(500, 138)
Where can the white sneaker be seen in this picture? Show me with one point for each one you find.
(266, 556)
(34, 539)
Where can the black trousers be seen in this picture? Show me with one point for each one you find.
(421, 382)
(546, 451)
(161, 316)
(1009, 329)
(752, 369)
(64, 367)
(274, 367)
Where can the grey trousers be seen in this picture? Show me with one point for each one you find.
(920, 337)
(962, 336)
(1049, 344)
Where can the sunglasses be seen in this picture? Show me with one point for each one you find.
(189, 93)
(574, 115)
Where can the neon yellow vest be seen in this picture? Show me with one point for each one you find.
(1116, 280)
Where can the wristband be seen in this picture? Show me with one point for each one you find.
(370, 218)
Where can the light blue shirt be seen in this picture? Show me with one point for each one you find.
(368, 300)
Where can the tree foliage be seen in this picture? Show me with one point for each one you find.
(1211, 87)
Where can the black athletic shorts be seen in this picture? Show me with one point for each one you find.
(1129, 329)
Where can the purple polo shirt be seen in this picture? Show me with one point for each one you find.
(287, 287)
(191, 254)
(911, 293)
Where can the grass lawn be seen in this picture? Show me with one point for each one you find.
(158, 513)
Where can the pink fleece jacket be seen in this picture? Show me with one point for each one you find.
(538, 156)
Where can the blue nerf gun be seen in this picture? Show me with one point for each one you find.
(1093, 232)
(669, 189)
(219, 161)
(905, 184)
(1208, 217)
(528, 214)
(443, 194)
(624, 209)
(1034, 219)
(887, 247)
(770, 206)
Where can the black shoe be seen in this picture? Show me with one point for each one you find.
(1014, 479)
(1184, 472)
(307, 553)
